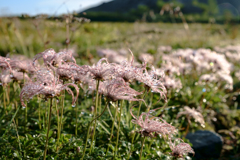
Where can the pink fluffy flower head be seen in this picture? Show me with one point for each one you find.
(24, 66)
(181, 149)
(127, 71)
(4, 63)
(61, 57)
(50, 57)
(102, 70)
(192, 113)
(152, 82)
(47, 56)
(72, 71)
(49, 88)
(151, 125)
(117, 89)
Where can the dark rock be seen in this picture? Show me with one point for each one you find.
(206, 144)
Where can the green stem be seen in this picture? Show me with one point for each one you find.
(139, 109)
(100, 103)
(58, 136)
(45, 115)
(11, 121)
(4, 100)
(95, 124)
(140, 104)
(25, 121)
(187, 130)
(111, 135)
(61, 123)
(39, 114)
(149, 147)
(84, 150)
(119, 122)
(49, 123)
(76, 116)
(142, 148)
(7, 94)
(15, 102)
(19, 144)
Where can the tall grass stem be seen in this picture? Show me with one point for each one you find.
(49, 123)
(84, 150)
(119, 122)
(96, 108)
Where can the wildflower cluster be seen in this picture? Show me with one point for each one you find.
(113, 81)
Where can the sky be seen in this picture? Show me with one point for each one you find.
(51, 7)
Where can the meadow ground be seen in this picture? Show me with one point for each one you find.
(202, 83)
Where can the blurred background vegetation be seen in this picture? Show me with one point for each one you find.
(178, 23)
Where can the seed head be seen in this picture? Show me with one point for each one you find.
(72, 71)
(152, 125)
(5, 78)
(117, 89)
(61, 57)
(192, 113)
(4, 63)
(47, 56)
(153, 82)
(127, 71)
(101, 71)
(181, 149)
(47, 86)
(24, 66)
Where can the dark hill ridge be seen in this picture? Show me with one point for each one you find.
(123, 6)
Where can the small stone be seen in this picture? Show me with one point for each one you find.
(206, 144)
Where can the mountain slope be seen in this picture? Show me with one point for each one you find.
(123, 6)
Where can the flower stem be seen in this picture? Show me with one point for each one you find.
(187, 129)
(49, 123)
(4, 100)
(142, 148)
(19, 144)
(140, 104)
(84, 150)
(149, 146)
(61, 123)
(39, 114)
(111, 135)
(58, 134)
(76, 116)
(11, 122)
(25, 127)
(139, 109)
(95, 124)
(119, 122)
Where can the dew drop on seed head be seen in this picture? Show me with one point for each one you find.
(204, 90)
(73, 105)
(23, 107)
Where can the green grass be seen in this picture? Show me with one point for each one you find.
(21, 37)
